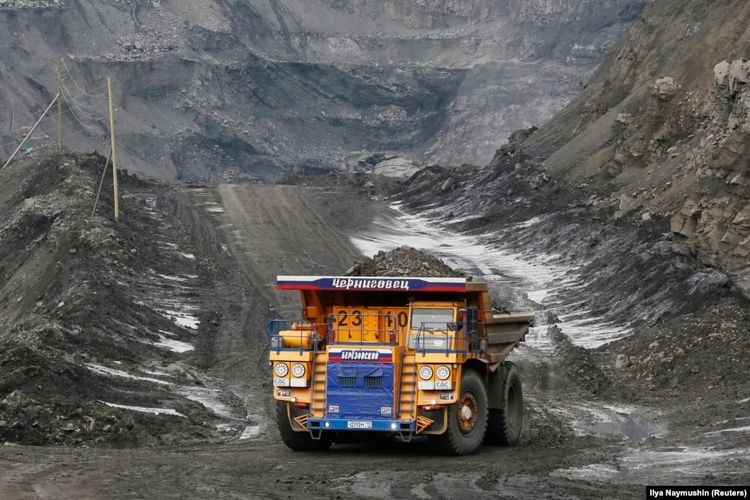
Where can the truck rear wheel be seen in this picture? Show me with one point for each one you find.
(467, 419)
(505, 424)
(298, 441)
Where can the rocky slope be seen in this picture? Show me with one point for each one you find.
(100, 323)
(659, 138)
(268, 86)
(663, 130)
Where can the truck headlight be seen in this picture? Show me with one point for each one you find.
(281, 369)
(425, 373)
(298, 370)
(443, 372)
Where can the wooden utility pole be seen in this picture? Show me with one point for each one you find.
(10, 159)
(113, 148)
(59, 103)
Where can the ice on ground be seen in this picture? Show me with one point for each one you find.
(600, 472)
(537, 295)
(172, 278)
(158, 373)
(105, 370)
(677, 459)
(174, 345)
(528, 223)
(181, 318)
(143, 409)
(250, 431)
(208, 398)
(733, 429)
(539, 276)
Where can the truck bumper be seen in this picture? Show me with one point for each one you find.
(344, 424)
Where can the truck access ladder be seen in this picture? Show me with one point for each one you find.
(318, 407)
(408, 388)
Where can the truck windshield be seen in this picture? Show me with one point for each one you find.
(431, 318)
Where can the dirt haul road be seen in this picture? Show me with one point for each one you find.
(573, 446)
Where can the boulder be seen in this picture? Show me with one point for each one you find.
(665, 88)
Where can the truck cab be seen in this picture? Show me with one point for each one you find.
(406, 356)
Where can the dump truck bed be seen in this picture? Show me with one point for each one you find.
(504, 332)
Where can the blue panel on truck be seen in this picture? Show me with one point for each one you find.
(360, 390)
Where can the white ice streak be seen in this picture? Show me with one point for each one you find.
(178, 279)
(539, 276)
(174, 345)
(143, 409)
(676, 460)
(208, 398)
(733, 429)
(250, 431)
(105, 370)
(181, 317)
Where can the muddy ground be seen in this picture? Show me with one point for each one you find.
(601, 422)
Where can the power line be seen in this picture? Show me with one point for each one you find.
(69, 96)
(90, 94)
(77, 123)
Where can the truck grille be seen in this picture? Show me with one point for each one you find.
(347, 381)
(373, 382)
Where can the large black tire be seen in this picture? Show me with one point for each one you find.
(467, 419)
(505, 424)
(298, 441)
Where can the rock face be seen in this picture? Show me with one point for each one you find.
(273, 87)
(663, 128)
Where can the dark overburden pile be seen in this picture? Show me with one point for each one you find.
(403, 261)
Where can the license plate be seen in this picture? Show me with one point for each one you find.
(442, 385)
(281, 382)
(358, 425)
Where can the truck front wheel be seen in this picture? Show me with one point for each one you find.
(297, 441)
(506, 422)
(467, 419)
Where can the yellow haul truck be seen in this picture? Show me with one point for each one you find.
(406, 356)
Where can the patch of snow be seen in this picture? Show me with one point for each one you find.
(104, 370)
(174, 345)
(143, 409)
(733, 429)
(676, 459)
(540, 276)
(158, 373)
(181, 318)
(172, 278)
(250, 432)
(208, 398)
(600, 472)
(537, 295)
(528, 223)
(742, 401)
(188, 256)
